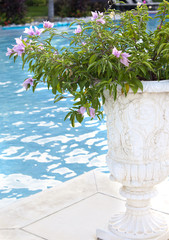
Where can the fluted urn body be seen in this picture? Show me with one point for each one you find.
(138, 158)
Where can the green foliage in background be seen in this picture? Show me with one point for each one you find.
(12, 12)
(36, 2)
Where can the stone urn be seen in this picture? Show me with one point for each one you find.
(138, 158)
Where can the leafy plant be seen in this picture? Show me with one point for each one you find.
(103, 54)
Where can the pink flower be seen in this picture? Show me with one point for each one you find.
(9, 52)
(92, 112)
(144, 2)
(101, 20)
(28, 82)
(83, 43)
(123, 56)
(116, 53)
(100, 13)
(124, 60)
(38, 31)
(78, 30)
(19, 48)
(29, 31)
(32, 32)
(94, 15)
(47, 24)
(82, 110)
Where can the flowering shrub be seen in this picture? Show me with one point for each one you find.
(103, 54)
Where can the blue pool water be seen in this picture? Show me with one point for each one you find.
(37, 148)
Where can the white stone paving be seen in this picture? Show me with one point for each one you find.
(70, 211)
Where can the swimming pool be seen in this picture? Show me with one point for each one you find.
(37, 148)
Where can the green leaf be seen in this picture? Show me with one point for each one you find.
(139, 84)
(79, 117)
(15, 57)
(58, 99)
(91, 65)
(99, 69)
(59, 88)
(76, 55)
(134, 88)
(160, 48)
(143, 70)
(92, 58)
(72, 119)
(110, 65)
(148, 65)
(67, 115)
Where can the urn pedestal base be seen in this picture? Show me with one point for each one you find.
(107, 235)
(139, 222)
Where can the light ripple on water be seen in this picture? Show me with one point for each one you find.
(37, 148)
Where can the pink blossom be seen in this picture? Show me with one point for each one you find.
(29, 31)
(32, 32)
(92, 112)
(9, 52)
(27, 82)
(124, 60)
(123, 56)
(47, 24)
(38, 31)
(19, 48)
(94, 15)
(83, 43)
(116, 53)
(100, 13)
(101, 20)
(82, 110)
(144, 2)
(78, 30)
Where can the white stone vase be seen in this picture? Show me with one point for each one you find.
(138, 158)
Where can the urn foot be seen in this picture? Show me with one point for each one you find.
(107, 235)
(143, 225)
(139, 222)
